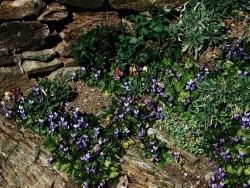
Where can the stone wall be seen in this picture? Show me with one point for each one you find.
(36, 35)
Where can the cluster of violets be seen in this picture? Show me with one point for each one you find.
(127, 109)
(154, 151)
(97, 73)
(158, 88)
(74, 127)
(221, 151)
(236, 50)
(77, 129)
(20, 111)
(220, 175)
(245, 119)
(8, 113)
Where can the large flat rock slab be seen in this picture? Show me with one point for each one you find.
(24, 160)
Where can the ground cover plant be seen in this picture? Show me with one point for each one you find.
(142, 69)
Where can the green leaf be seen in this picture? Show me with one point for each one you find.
(66, 167)
(169, 161)
(51, 143)
(144, 31)
(152, 23)
(133, 40)
(107, 163)
(166, 10)
(189, 63)
(113, 174)
(58, 165)
(125, 145)
(159, 27)
(244, 132)
(136, 26)
(247, 171)
(51, 147)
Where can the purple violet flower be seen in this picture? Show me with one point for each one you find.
(90, 170)
(73, 76)
(96, 132)
(241, 155)
(199, 77)
(239, 40)
(190, 85)
(83, 70)
(178, 75)
(86, 158)
(85, 185)
(116, 133)
(126, 131)
(126, 86)
(241, 73)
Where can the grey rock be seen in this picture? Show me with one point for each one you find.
(43, 55)
(68, 62)
(85, 21)
(32, 67)
(54, 12)
(5, 57)
(22, 36)
(145, 174)
(93, 4)
(11, 77)
(17, 9)
(64, 49)
(62, 73)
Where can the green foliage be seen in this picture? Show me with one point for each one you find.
(200, 26)
(46, 97)
(94, 49)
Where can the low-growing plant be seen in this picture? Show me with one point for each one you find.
(198, 28)
(95, 49)
(45, 98)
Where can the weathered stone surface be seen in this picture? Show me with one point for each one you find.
(85, 21)
(64, 49)
(11, 77)
(23, 36)
(5, 57)
(141, 5)
(68, 62)
(93, 4)
(54, 12)
(32, 67)
(18, 9)
(144, 174)
(63, 72)
(43, 55)
(170, 143)
(24, 160)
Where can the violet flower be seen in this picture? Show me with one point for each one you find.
(86, 158)
(241, 73)
(241, 155)
(85, 185)
(190, 85)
